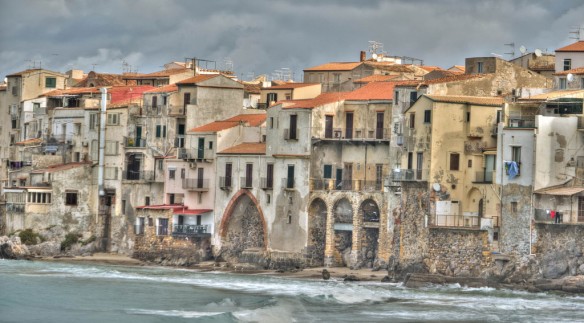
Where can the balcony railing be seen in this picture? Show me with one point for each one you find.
(195, 184)
(194, 153)
(18, 164)
(330, 184)
(176, 111)
(225, 182)
(130, 142)
(288, 183)
(521, 122)
(483, 177)
(246, 182)
(15, 207)
(458, 220)
(189, 229)
(267, 183)
(409, 175)
(372, 134)
(152, 110)
(148, 176)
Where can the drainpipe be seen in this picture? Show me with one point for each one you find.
(102, 121)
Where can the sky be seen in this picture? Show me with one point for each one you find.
(263, 36)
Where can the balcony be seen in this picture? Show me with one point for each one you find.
(291, 134)
(483, 177)
(146, 176)
(330, 184)
(372, 134)
(130, 142)
(267, 183)
(246, 182)
(202, 154)
(409, 175)
(195, 184)
(176, 111)
(152, 110)
(288, 183)
(457, 220)
(521, 122)
(179, 141)
(19, 164)
(189, 229)
(225, 182)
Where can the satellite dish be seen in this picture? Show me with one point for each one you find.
(570, 77)
(374, 56)
(538, 52)
(436, 187)
(522, 49)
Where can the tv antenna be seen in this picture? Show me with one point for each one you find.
(512, 45)
(93, 66)
(577, 32)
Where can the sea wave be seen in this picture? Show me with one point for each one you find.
(175, 313)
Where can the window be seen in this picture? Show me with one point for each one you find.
(154, 101)
(160, 163)
(516, 154)
(454, 161)
(290, 178)
(171, 198)
(427, 116)
(77, 128)
(124, 210)
(93, 121)
(171, 173)
(228, 168)
(288, 96)
(210, 145)
(110, 173)
(271, 122)
(412, 120)
(147, 200)
(187, 100)
(337, 78)
(470, 163)
(289, 220)
(328, 171)
(396, 97)
(479, 67)
(514, 207)
(468, 116)
(413, 97)
(51, 82)
(39, 198)
(567, 64)
(268, 198)
(293, 124)
(182, 173)
(160, 131)
(111, 148)
(70, 198)
(272, 97)
(270, 176)
(200, 198)
(563, 84)
(113, 119)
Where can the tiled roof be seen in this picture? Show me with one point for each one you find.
(164, 89)
(72, 91)
(31, 70)
(324, 98)
(574, 71)
(159, 74)
(290, 86)
(474, 100)
(408, 83)
(391, 67)
(575, 47)
(252, 88)
(253, 120)
(335, 66)
(372, 91)
(101, 79)
(197, 79)
(554, 94)
(454, 78)
(430, 68)
(60, 167)
(375, 78)
(29, 142)
(246, 148)
(461, 68)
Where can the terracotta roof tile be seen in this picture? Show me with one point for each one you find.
(322, 99)
(375, 78)
(475, 100)
(430, 68)
(252, 120)
(290, 85)
(408, 83)
(101, 79)
(60, 167)
(246, 148)
(197, 79)
(372, 91)
(164, 89)
(252, 88)
(72, 91)
(29, 142)
(335, 66)
(575, 47)
(159, 74)
(454, 78)
(574, 71)
(554, 94)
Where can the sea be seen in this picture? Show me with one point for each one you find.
(34, 291)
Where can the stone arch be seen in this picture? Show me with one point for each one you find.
(370, 213)
(474, 198)
(317, 226)
(243, 226)
(343, 231)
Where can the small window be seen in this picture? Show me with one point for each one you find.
(160, 164)
(567, 64)
(272, 97)
(51, 82)
(337, 78)
(479, 67)
(268, 198)
(111, 148)
(210, 145)
(413, 97)
(412, 120)
(160, 131)
(468, 116)
(469, 163)
(271, 122)
(123, 206)
(147, 200)
(289, 220)
(93, 121)
(71, 198)
(171, 173)
(514, 207)
(454, 161)
(328, 171)
(396, 97)
(563, 84)
(113, 119)
(427, 116)
(182, 173)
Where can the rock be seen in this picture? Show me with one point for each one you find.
(46, 249)
(554, 269)
(11, 248)
(573, 284)
(581, 269)
(385, 279)
(351, 278)
(325, 274)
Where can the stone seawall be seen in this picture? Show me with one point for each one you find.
(169, 251)
(560, 249)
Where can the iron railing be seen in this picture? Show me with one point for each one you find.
(148, 176)
(188, 229)
(246, 182)
(130, 142)
(457, 220)
(409, 175)
(195, 184)
(225, 182)
(267, 183)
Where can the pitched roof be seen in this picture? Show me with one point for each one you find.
(101, 79)
(372, 91)
(391, 67)
(430, 68)
(554, 94)
(335, 66)
(32, 70)
(253, 120)
(164, 89)
(474, 100)
(252, 88)
(197, 79)
(322, 99)
(159, 74)
(575, 71)
(246, 148)
(575, 47)
(73, 91)
(290, 85)
(375, 78)
(454, 78)
(60, 167)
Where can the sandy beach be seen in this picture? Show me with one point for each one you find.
(306, 273)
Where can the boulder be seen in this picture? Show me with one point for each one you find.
(46, 249)
(11, 248)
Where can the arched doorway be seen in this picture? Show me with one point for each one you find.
(343, 227)
(370, 232)
(242, 228)
(316, 232)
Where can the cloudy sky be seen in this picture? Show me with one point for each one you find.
(262, 36)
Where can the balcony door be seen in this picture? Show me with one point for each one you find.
(379, 126)
(489, 168)
(419, 165)
(201, 149)
(200, 175)
(328, 127)
(248, 175)
(349, 125)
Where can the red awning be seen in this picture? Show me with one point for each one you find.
(191, 212)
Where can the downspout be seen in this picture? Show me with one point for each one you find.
(102, 121)
(502, 186)
(533, 165)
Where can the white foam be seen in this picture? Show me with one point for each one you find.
(174, 313)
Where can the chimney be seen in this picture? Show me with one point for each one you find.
(362, 56)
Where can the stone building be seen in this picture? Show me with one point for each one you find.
(289, 91)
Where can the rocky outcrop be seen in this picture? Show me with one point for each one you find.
(11, 248)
